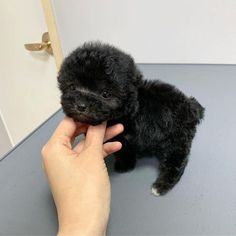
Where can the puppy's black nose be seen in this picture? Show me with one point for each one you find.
(81, 107)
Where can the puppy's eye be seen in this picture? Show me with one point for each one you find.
(106, 94)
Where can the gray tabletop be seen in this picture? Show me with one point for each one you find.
(204, 201)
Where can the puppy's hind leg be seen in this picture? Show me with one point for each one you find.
(171, 170)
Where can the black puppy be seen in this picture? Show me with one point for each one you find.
(101, 83)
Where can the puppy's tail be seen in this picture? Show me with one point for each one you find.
(197, 109)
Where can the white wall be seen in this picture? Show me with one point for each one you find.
(28, 87)
(153, 31)
(5, 142)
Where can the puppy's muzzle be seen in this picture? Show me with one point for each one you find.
(82, 107)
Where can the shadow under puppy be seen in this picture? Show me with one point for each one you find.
(101, 83)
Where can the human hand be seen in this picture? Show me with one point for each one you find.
(78, 176)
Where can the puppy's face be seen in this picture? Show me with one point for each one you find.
(98, 83)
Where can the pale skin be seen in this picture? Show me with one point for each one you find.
(78, 176)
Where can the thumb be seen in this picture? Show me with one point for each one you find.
(64, 132)
(95, 135)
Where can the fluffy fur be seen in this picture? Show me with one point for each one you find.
(101, 83)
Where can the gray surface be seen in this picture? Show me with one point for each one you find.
(203, 203)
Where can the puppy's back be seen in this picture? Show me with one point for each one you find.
(166, 101)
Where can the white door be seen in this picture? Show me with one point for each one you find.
(28, 85)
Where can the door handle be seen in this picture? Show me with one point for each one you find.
(44, 45)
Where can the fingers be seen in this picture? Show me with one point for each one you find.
(95, 135)
(111, 147)
(112, 131)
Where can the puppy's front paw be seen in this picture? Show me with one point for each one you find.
(123, 166)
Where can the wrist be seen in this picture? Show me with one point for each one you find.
(70, 230)
(82, 221)
(85, 226)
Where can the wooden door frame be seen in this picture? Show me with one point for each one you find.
(53, 32)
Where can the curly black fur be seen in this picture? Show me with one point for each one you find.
(99, 82)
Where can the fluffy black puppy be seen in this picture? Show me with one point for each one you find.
(101, 83)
